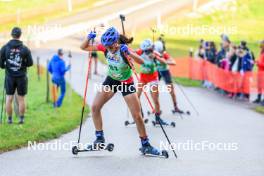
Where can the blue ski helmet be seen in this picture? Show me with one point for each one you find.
(146, 44)
(110, 36)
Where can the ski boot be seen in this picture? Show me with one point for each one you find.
(98, 145)
(99, 142)
(159, 121)
(177, 110)
(148, 150)
(9, 120)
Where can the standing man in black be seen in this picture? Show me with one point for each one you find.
(15, 58)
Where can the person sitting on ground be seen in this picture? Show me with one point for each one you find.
(58, 69)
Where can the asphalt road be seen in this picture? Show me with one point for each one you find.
(220, 121)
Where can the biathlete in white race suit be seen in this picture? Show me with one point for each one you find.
(149, 74)
(164, 72)
(119, 74)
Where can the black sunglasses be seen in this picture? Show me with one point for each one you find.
(148, 51)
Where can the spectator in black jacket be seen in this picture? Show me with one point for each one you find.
(224, 49)
(15, 57)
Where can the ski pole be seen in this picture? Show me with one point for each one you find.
(122, 17)
(3, 99)
(153, 34)
(70, 75)
(85, 92)
(186, 97)
(151, 106)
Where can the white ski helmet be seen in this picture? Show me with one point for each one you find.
(158, 46)
(146, 44)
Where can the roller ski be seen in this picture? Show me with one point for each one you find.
(150, 113)
(176, 110)
(91, 148)
(159, 122)
(98, 145)
(148, 150)
(127, 122)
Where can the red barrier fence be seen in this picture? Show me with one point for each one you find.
(235, 82)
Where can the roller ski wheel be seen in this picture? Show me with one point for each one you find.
(146, 121)
(95, 147)
(129, 123)
(110, 147)
(152, 152)
(165, 153)
(150, 113)
(172, 124)
(75, 150)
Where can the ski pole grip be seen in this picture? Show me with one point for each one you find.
(122, 17)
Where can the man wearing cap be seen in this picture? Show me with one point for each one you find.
(58, 69)
(15, 57)
(225, 45)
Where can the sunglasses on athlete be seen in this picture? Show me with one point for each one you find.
(148, 51)
(112, 47)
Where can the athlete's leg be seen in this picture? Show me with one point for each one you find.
(9, 100)
(95, 65)
(171, 90)
(154, 90)
(155, 98)
(100, 99)
(22, 105)
(133, 103)
(140, 88)
(10, 86)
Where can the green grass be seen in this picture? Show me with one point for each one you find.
(42, 121)
(187, 82)
(260, 109)
(246, 16)
(7, 8)
(11, 7)
(248, 20)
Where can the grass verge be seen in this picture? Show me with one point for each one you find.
(260, 109)
(244, 16)
(42, 121)
(24, 13)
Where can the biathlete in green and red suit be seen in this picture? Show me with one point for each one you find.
(149, 75)
(119, 74)
(164, 72)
